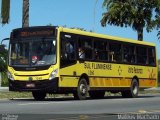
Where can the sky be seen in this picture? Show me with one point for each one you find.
(72, 13)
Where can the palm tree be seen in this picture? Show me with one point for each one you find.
(5, 11)
(158, 26)
(25, 19)
(137, 14)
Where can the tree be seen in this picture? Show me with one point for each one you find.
(159, 71)
(158, 26)
(5, 11)
(25, 14)
(137, 14)
(3, 58)
(158, 20)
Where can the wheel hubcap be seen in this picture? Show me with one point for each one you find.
(135, 90)
(83, 89)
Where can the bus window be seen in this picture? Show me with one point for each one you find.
(67, 49)
(43, 52)
(85, 48)
(115, 52)
(151, 56)
(19, 54)
(100, 50)
(129, 54)
(141, 55)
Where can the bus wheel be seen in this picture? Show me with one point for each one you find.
(39, 95)
(133, 92)
(97, 94)
(82, 90)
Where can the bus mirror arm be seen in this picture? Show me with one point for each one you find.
(4, 40)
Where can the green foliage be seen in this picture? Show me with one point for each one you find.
(137, 14)
(158, 20)
(78, 28)
(158, 34)
(5, 11)
(159, 71)
(3, 64)
(4, 79)
(3, 58)
(158, 76)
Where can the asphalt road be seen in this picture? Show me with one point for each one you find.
(112, 108)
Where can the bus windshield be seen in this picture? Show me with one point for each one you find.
(35, 52)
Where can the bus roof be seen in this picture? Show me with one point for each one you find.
(80, 32)
(92, 34)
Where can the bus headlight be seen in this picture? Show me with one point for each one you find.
(10, 76)
(53, 74)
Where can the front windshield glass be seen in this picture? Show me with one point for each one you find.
(33, 52)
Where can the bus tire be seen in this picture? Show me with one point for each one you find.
(39, 95)
(97, 94)
(133, 92)
(82, 90)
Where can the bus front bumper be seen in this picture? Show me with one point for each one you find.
(42, 85)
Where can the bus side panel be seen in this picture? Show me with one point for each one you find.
(145, 83)
(68, 76)
(109, 82)
(65, 81)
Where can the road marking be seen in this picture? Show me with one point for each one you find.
(128, 99)
(33, 103)
(155, 111)
(43, 103)
(143, 111)
(86, 117)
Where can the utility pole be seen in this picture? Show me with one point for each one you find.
(25, 14)
(94, 15)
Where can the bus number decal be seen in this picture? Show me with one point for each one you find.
(135, 70)
(90, 72)
(38, 78)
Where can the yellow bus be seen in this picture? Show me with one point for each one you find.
(50, 59)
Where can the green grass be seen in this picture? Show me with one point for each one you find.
(4, 79)
(11, 95)
(150, 92)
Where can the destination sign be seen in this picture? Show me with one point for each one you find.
(36, 33)
(33, 32)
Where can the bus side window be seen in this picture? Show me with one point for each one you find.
(128, 54)
(100, 50)
(115, 54)
(151, 56)
(141, 55)
(85, 48)
(68, 50)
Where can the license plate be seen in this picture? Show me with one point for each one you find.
(30, 85)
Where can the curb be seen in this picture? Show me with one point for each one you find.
(153, 89)
(4, 89)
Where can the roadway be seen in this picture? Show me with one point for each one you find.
(68, 108)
